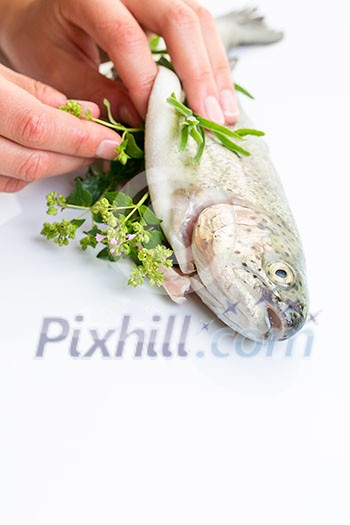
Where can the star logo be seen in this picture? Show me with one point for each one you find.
(205, 326)
(313, 317)
(265, 297)
(232, 308)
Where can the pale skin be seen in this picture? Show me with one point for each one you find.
(53, 45)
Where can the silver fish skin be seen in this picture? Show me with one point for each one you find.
(228, 222)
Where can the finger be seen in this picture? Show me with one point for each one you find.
(28, 122)
(219, 63)
(10, 185)
(116, 31)
(44, 93)
(29, 165)
(180, 27)
(91, 106)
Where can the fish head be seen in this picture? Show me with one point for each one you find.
(250, 271)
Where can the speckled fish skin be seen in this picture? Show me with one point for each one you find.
(229, 224)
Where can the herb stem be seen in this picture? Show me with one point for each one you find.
(116, 126)
(84, 213)
(74, 207)
(159, 52)
(141, 201)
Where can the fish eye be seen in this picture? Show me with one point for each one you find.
(281, 273)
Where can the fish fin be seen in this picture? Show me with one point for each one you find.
(176, 284)
(246, 27)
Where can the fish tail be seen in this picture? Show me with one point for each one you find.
(246, 27)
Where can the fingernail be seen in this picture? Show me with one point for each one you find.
(229, 106)
(106, 149)
(213, 110)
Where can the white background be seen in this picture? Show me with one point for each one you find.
(191, 441)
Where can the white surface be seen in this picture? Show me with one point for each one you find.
(190, 441)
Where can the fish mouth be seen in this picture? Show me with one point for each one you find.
(283, 325)
(276, 324)
(274, 319)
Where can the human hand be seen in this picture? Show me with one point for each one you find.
(38, 140)
(56, 42)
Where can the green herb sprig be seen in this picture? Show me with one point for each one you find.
(193, 125)
(243, 90)
(120, 226)
(128, 148)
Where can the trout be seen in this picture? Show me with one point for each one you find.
(227, 218)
